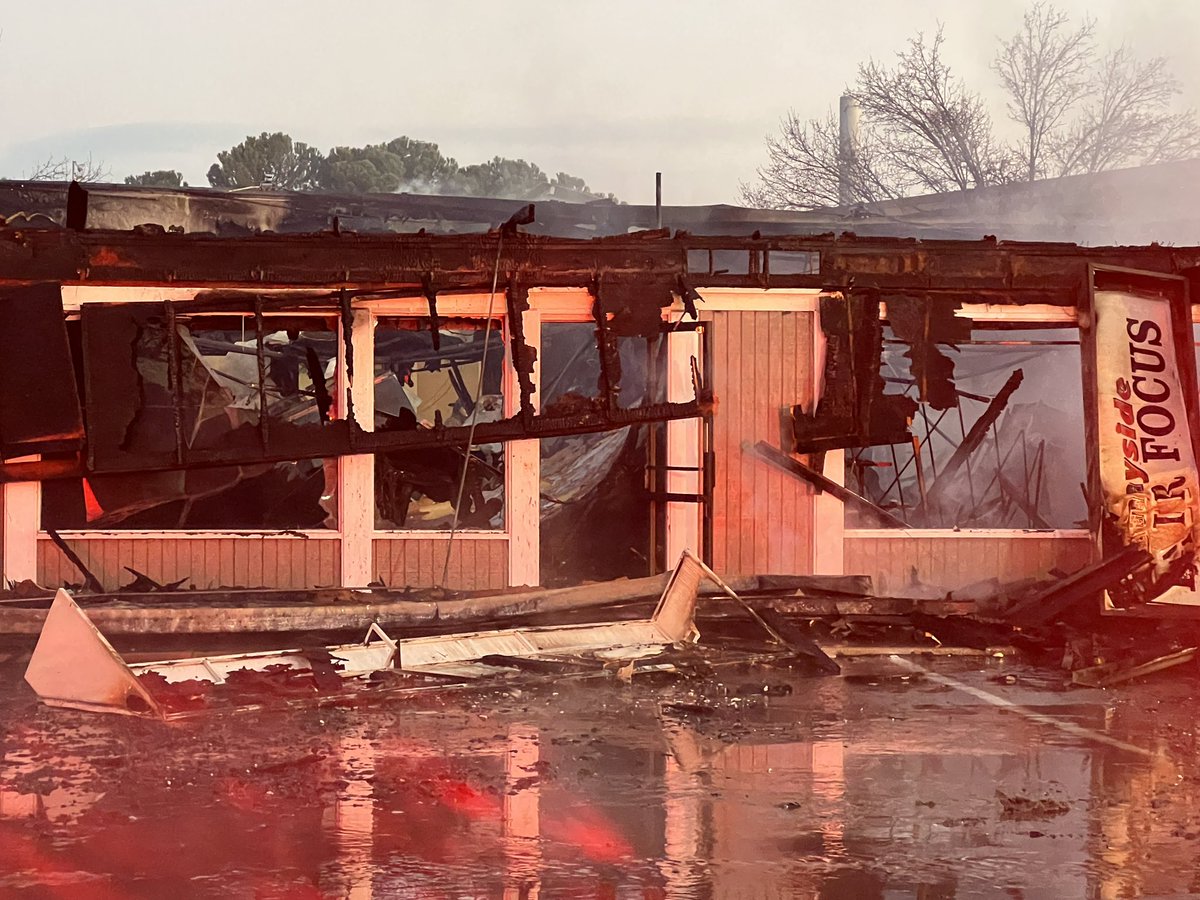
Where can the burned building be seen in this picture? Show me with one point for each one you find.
(222, 408)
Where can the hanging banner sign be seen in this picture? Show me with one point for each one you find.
(1144, 425)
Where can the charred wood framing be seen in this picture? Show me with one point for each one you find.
(523, 356)
(973, 438)
(1084, 585)
(953, 271)
(853, 410)
(793, 466)
(264, 434)
(435, 322)
(610, 356)
(173, 376)
(132, 423)
(333, 440)
(923, 325)
(77, 207)
(346, 320)
(90, 581)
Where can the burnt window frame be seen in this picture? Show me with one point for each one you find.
(76, 297)
(450, 307)
(984, 315)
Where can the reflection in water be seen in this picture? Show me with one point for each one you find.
(846, 788)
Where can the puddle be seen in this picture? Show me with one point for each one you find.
(831, 788)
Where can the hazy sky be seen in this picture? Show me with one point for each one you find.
(608, 91)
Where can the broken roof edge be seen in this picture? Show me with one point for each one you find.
(979, 211)
(975, 271)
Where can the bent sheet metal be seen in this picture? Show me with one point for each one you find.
(74, 665)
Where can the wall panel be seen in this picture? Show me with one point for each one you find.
(948, 561)
(206, 562)
(475, 563)
(762, 366)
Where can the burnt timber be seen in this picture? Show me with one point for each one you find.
(959, 271)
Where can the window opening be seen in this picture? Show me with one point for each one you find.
(212, 388)
(1009, 454)
(418, 385)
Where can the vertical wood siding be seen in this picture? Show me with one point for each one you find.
(950, 562)
(762, 517)
(206, 562)
(417, 562)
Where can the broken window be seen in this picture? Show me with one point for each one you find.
(595, 506)
(572, 377)
(1009, 453)
(426, 378)
(216, 399)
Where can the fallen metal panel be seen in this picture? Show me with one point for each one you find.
(672, 623)
(74, 665)
(352, 659)
(39, 401)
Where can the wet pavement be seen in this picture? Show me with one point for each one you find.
(957, 778)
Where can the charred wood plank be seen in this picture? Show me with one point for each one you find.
(163, 613)
(853, 410)
(821, 483)
(1086, 584)
(800, 641)
(90, 581)
(1112, 673)
(923, 324)
(852, 585)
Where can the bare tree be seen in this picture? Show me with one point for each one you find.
(806, 162)
(925, 131)
(67, 169)
(1126, 119)
(1044, 68)
(936, 130)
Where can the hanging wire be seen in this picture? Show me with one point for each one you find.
(462, 481)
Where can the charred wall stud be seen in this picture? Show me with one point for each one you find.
(523, 356)
(853, 410)
(923, 325)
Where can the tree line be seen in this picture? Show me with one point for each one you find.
(923, 130)
(276, 161)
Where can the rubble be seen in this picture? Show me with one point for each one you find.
(73, 665)
(1108, 674)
